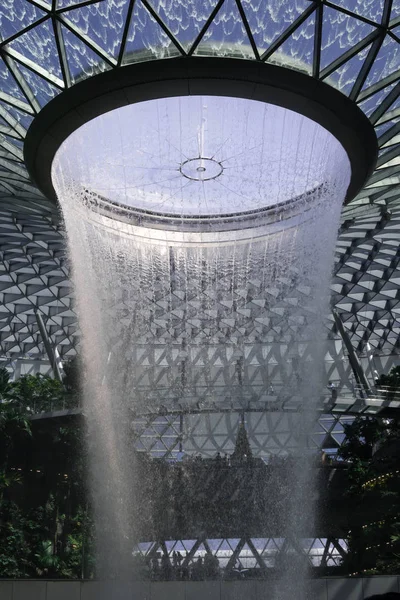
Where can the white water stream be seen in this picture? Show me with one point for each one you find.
(171, 313)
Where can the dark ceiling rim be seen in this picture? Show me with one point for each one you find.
(212, 76)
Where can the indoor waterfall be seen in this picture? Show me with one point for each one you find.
(201, 232)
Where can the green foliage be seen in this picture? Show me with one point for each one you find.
(32, 393)
(38, 393)
(19, 534)
(46, 561)
(7, 480)
(12, 421)
(27, 550)
(13, 426)
(373, 494)
(361, 436)
(5, 385)
(41, 393)
(391, 380)
(72, 375)
(52, 538)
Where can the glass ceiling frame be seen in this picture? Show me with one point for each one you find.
(63, 21)
(367, 271)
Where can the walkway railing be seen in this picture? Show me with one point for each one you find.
(350, 401)
(361, 401)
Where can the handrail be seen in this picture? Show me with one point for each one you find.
(330, 400)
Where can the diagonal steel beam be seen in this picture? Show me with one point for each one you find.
(289, 31)
(50, 351)
(317, 41)
(353, 358)
(205, 27)
(125, 32)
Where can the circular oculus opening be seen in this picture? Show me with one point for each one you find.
(199, 157)
(194, 76)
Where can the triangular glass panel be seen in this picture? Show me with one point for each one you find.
(317, 439)
(145, 547)
(170, 545)
(188, 544)
(322, 427)
(8, 85)
(338, 428)
(395, 105)
(340, 33)
(268, 20)
(24, 119)
(18, 15)
(245, 551)
(200, 551)
(380, 129)
(42, 89)
(345, 76)
(329, 442)
(71, 3)
(82, 61)
(386, 62)
(275, 544)
(226, 35)
(307, 544)
(298, 50)
(179, 547)
(39, 46)
(103, 23)
(232, 543)
(260, 544)
(395, 10)
(338, 438)
(11, 140)
(6, 127)
(370, 9)
(139, 446)
(369, 105)
(282, 438)
(146, 39)
(185, 20)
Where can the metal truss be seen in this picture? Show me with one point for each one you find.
(33, 279)
(271, 430)
(243, 555)
(35, 276)
(204, 434)
(48, 47)
(365, 288)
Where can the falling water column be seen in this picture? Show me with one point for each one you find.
(134, 203)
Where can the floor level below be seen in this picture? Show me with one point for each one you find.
(333, 588)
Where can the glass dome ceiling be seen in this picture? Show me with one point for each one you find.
(46, 47)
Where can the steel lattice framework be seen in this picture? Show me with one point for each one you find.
(34, 275)
(47, 47)
(242, 554)
(204, 433)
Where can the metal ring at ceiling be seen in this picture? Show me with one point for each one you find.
(213, 76)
